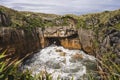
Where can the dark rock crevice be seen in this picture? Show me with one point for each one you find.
(55, 41)
(4, 19)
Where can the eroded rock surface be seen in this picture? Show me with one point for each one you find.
(111, 41)
(59, 31)
(19, 41)
(86, 38)
(4, 19)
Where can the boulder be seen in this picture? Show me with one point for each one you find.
(86, 38)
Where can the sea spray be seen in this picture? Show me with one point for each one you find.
(60, 62)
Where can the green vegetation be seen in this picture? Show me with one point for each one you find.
(30, 19)
(6, 67)
(90, 21)
(107, 68)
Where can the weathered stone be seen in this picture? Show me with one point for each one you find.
(4, 19)
(19, 41)
(71, 43)
(111, 43)
(59, 31)
(86, 38)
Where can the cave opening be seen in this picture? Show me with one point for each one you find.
(73, 36)
(59, 40)
(54, 40)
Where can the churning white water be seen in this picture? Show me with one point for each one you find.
(60, 62)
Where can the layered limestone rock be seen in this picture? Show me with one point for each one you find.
(65, 36)
(86, 38)
(22, 41)
(19, 41)
(71, 43)
(61, 31)
(4, 19)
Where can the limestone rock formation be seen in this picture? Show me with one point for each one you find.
(69, 43)
(86, 38)
(4, 19)
(65, 36)
(34, 31)
(59, 31)
(19, 41)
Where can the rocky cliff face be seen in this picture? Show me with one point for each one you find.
(111, 41)
(65, 36)
(71, 43)
(19, 42)
(86, 38)
(59, 31)
(35, 31)
(4, 19)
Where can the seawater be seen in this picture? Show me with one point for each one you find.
(61, 62)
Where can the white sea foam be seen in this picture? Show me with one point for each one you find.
(64, 66)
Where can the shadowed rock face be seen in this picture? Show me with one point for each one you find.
(22, 41)
(65, 36)
(111, 41)
(72, 39)
(4, 19)
(86, 38)
(19, 41)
